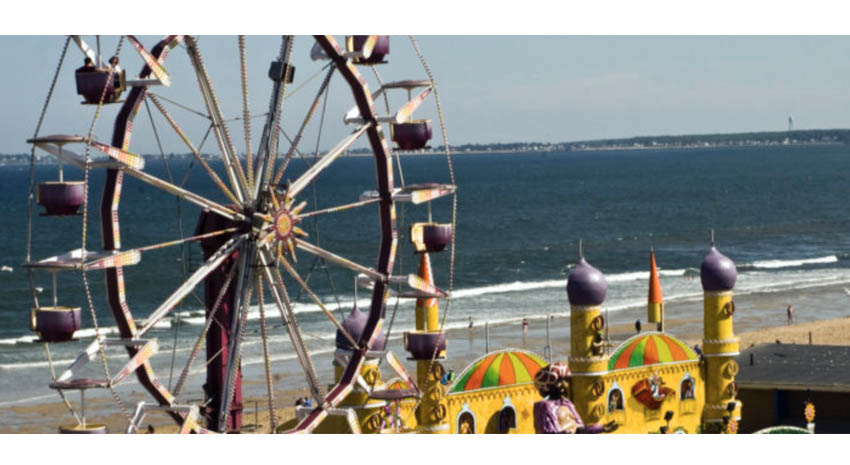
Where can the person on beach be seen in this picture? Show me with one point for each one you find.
(555, 414)
(470, 323)
(525, 327)
(790, 312)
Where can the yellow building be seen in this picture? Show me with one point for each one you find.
(651, 383)
(653, 377)
(495, 394)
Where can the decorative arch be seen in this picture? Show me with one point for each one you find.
(466, 417)
(507, 416)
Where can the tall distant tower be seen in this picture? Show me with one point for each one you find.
(790, 124)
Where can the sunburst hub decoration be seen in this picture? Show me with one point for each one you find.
(286, 228)
(283, 224)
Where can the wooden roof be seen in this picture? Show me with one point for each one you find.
(795, 367)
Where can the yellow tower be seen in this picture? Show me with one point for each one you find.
(655, 302)
(586, 289)
(427, 345)
(720, 346)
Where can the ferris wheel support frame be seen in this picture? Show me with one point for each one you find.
(249, 242)
(389, 233)
(110, 228)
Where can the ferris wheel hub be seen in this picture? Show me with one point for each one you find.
(284, 225)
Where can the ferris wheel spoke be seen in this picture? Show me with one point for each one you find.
(305, 179)
(228, 152)
(246, 114)
(339, 208)
(210, 318)
(185, 194)
(293, 145)
(341, 261)
(289, 269)
(84, 47)
(195, 152)
(240, 320)
(180, 105)
(267, 151)
(154, 64)
(287, 314)
(208, 267)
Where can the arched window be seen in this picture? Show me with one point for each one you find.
(687, 388)
(466, 421)
(507, 416)
(616, 400)
(507, 420)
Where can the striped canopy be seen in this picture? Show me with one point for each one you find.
(502, 368)
(397, 383)
(649, 349)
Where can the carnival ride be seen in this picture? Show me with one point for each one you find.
(249, 234)
(251, 238)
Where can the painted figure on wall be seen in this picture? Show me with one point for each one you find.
(615, 400)
(555, 414)
(651, 391)
(466, 424)
(687, 389)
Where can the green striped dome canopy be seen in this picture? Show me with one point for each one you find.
(502, 368)
(650, 349)
(397, 383)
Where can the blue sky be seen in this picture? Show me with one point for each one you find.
(493, 88)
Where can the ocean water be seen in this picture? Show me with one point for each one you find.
(780, 213)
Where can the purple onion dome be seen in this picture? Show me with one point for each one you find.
(355, 323)
(717, 272)
(586, 285)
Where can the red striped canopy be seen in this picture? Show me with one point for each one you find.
(649, 349)
(501, 368)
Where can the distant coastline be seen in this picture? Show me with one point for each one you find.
(693, 141)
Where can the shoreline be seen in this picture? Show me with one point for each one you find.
(823, 311)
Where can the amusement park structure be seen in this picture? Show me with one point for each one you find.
(652, 382)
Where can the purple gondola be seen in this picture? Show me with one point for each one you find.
(61, 198)
(55, 324)
(379, 51)
(413, 135)
(422, 345)
(91, 83)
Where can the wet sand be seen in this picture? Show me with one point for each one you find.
(823, 312)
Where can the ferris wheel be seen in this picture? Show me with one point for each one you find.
(251, 232)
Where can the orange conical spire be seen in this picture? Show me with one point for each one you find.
(655, 296)
(655, 301)
(427, 310)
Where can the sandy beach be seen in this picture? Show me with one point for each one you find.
(823, 313)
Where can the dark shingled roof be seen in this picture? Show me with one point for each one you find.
(795, 367)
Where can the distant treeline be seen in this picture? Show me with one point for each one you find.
(801, 137)
(811, 136)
